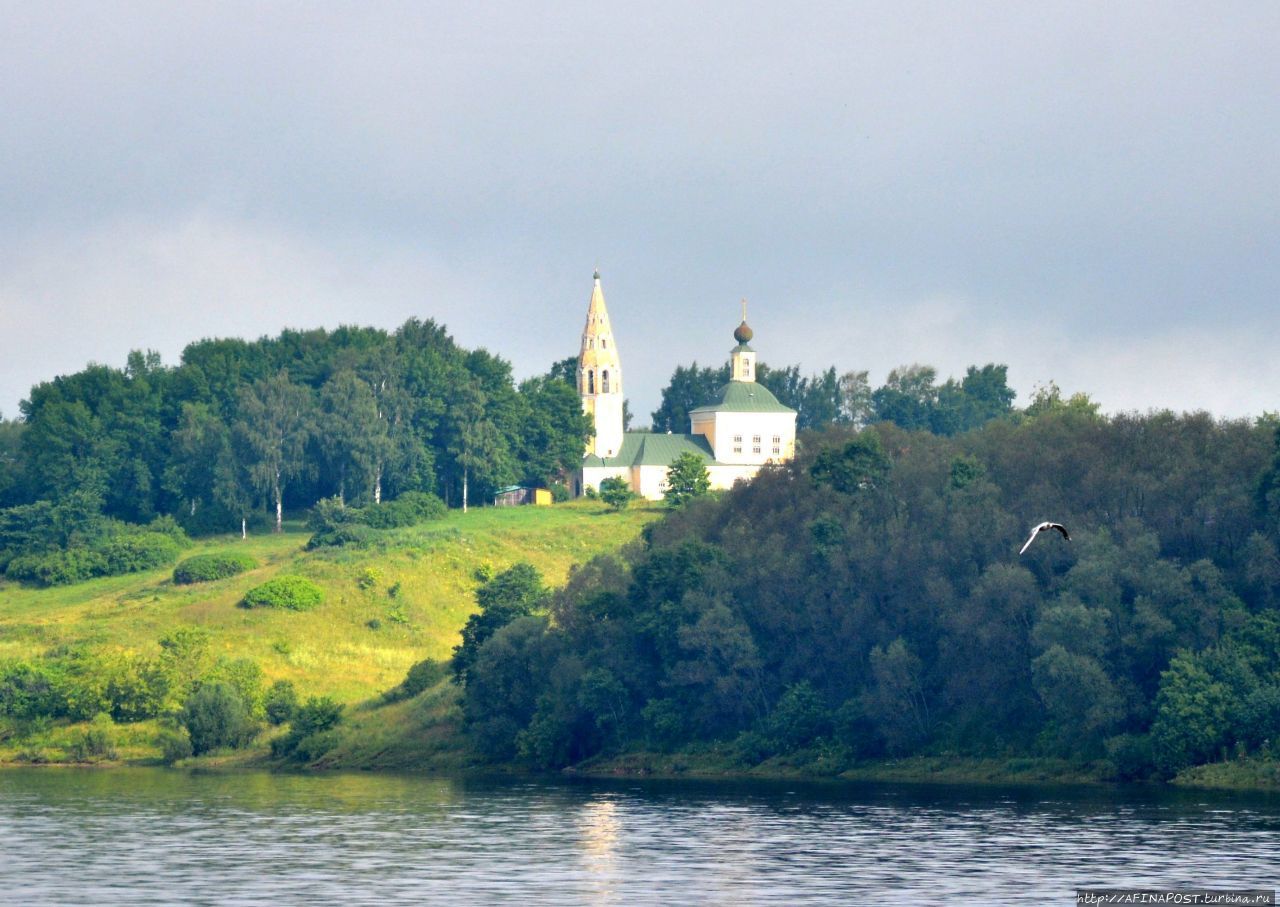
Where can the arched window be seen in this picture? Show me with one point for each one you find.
(591, 382)
(604, 343)
(604, 382)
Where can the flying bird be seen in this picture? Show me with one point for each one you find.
(1036, 530)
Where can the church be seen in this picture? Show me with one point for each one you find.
(740, 430)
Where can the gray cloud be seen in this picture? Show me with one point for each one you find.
(1082, 191)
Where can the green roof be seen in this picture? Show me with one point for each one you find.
(743, 397)
(643, 448)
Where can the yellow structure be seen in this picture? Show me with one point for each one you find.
(741, 430)
(542, 497)
(600, 377)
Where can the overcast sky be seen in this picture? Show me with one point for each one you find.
(1087, 192)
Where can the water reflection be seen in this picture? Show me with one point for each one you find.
(156, 837)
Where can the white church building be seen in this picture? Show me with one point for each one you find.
(739, 431)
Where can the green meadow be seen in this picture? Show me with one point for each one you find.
(384, 608)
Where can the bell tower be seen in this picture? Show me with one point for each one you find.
(600, 377)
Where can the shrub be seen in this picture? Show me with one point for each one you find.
(329, 513)
(243, 675)
(559, 492)
(109, 549)
(56, 568)
(409, 509)
(204, 568)
(96, 742)
(315, 717)
(29, 691)
(313, 746)
(135, 551)
(1132, 756)
(421, 676)
(175, 744)
(615, 492)
(295, 593)
(345, 535)
(281, 702)
(216, 716)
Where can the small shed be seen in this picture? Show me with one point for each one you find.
(515, 495)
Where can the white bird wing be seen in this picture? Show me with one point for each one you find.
(1034, 533)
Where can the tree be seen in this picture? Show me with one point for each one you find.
(515, 592)
(1268, 492)
(10, 461)
(689, 388)
(687, 478)
(907, 397)
(615, 492)
(216, 716)
(554, 430)
(352, 433)
(475, 440)
(859, 465)
(195, 448)
(276, 422)
(855, 398)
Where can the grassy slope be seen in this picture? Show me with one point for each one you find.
(331, 650)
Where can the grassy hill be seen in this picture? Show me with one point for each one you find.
(383, 609)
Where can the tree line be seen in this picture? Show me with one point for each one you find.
(910, 397)
(868, 599)
(243, 428)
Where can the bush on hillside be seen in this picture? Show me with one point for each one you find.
(409, 509)
(335, 525)
(423, 675)
(309, 734)
(294, 593)
(345, 535)
(216, 716)
(29, 691)
(107, 548)
(57, 568)
(96, 742)
(281, 702)
(204, 568)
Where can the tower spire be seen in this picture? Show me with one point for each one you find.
(600, 376)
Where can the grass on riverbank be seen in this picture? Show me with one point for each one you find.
(383, 608)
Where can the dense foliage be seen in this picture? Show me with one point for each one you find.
(311, 731)
(336, 525)
(239, 430)
(204, 568)
(869, 599)
(910, 397)
(616, 492)
(51, 545)
(293, 593)
(687, 478)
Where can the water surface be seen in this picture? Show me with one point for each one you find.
(152, 836)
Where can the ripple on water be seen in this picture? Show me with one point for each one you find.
(156, 837)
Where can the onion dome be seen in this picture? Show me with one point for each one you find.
(743, 332)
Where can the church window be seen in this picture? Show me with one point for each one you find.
(777, 445)
(604, 382)
(591, 382)
(604, 343)
(755, 444)
(737, 443)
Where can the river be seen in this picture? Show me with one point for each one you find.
(154, 836)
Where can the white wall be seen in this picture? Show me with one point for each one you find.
(748, 425)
